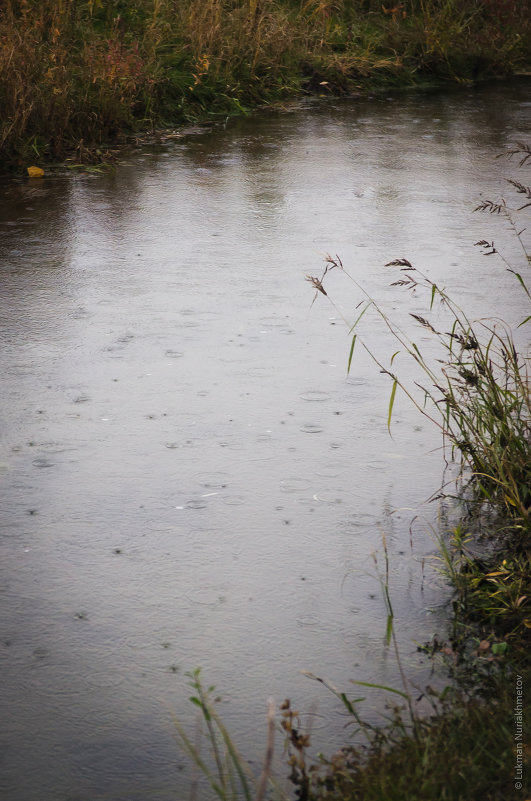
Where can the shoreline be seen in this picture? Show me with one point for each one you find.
(78, 79)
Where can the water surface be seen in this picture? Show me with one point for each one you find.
(189, 477)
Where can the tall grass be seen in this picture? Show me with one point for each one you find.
(82, 74)
(478, 390)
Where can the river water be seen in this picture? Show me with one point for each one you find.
(189, 478)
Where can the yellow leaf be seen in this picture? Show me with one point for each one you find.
(35, 172)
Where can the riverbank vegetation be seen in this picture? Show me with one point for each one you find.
(475, 744)
(77, 76)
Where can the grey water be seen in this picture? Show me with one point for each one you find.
(189, 477)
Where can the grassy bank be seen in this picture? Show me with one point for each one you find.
(476, 743)
(77, 76)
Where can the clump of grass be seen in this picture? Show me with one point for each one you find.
(479, 398)
(466, 751)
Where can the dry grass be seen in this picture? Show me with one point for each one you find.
(81, 73)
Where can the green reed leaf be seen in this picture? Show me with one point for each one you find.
(391, 403)
(351, 353)
(380, 687)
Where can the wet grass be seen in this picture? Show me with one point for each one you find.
(473, 746)
(465, 752)
(77, 76)
(477, 391)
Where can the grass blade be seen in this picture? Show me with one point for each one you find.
(367, 305)
(391, 403)
(388, 629)
(380, 687)
(351, 353)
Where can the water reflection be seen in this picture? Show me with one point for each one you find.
(189, 478)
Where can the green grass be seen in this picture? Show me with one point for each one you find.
(77, 76)
(463, 754)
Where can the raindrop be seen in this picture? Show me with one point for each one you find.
(362, 520)
(232, 445)
(309, 428)
(331, 470)
(213, 480)
(328, 499)
(196, 503)
(234, 500)
(41, 462)
(378, 464)
(191, 443)
(308, 620)
(206, 597)
(311, 720)
(104, 679)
